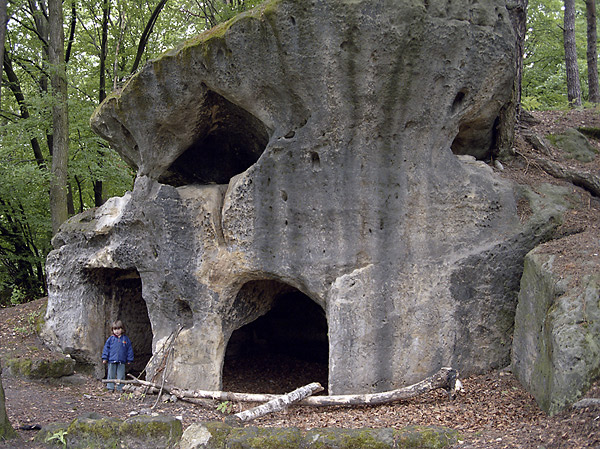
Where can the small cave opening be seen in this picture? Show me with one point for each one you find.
(286, 348)
(228, 141)
(121, 293)
(476, 137)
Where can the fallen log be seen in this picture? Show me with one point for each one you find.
(446, 378)
(275, 405)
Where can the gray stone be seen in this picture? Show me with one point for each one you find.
(324, 150)
(556, 345)
(575, 145)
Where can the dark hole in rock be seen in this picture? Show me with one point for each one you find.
(458, 100)
(284, 349)
(315, 160)
(476, 137)
(185, 314)
(120, 291)
(229, 140)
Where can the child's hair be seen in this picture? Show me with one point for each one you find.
(117, 325)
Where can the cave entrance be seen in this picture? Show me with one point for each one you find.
(282, 350)
(122, 294)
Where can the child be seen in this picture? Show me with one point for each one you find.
(117, 353)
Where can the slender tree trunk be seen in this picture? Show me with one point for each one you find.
(60, 119)
(71, 31)
(146, 35)
(97, 183)
(592, 51)
(3, 23)
(573, 86)
(15, 86)
(509, 113)
(518, 16)
(103, 50)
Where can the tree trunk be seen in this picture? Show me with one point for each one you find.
(146, 35)
(71, 31)
(518, 17)
(6, 430)
(60, 119)
(3, 23)
(573, 86)
(510, 112)
(592, 52)
(14, 85)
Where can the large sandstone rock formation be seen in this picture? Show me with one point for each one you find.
(315, 150)
(556, 347)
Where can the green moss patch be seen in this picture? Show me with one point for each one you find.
(222, 435)
(94, 431)
(41, 368)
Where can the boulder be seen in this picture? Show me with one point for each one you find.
(556, 344)
(41, 368)
(575, 145)
(313, 153)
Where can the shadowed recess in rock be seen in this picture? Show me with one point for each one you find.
(120, 294)
(229, 140)
(285, 348)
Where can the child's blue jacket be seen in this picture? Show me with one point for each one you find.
(118, 350)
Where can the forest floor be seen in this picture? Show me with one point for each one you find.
(493, 411)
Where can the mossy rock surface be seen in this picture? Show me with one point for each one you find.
(41, 368)
(224, 436)
(425, 437)
(93, 431)
(574, 145)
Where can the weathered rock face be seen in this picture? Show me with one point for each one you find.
(321, 149)
(556, 351)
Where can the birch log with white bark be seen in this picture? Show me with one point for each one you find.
(279, 403)
(445, 378)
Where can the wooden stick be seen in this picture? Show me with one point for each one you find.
(279, 403)
(445, 378)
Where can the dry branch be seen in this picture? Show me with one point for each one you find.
(445, 378)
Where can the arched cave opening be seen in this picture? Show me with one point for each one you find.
(121, 293)
(228, 141)
(282, 350)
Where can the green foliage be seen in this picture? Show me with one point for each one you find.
(26, 115)
(544, 76)
(226, 407)
(59, 435)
